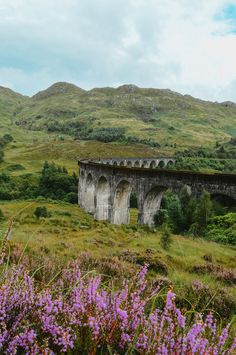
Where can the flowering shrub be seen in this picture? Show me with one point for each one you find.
(76, 314)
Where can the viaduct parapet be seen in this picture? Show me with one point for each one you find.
(148, 163)
(105, 186)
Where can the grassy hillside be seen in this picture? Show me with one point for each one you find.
(115, 250)
(161, 116)
(46, 125)
(10, 104)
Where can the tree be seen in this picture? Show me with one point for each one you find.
(170, 212)
(202, 215)
(41, 211)
(188, 206)
(166, 237)
(7, 138)
(56, 183)
(175, 213)
(161, 217)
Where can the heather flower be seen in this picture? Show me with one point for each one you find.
(77, 315)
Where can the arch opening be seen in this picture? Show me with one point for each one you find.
(144, 164)
(152, 204)
(129, 163)
(102, 199)
(121, 204)
(223, 203)
(161, 164)
(170, 164)
(133, 207)
(89, 194)
(152, 164)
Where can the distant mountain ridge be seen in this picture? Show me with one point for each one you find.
(61, 87)
(158, 115)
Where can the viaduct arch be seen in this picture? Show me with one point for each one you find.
(105, 186)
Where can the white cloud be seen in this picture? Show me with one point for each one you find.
(183, 45)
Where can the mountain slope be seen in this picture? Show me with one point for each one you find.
(161, 116)
(10, 103)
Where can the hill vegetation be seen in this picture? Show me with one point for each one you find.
(127, 114)
(135, 121)
(40, 141)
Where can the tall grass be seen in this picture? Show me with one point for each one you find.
(76, 313)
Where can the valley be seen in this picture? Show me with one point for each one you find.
(41, 140)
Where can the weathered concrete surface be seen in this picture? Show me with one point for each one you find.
(102, 202)
(104, 189)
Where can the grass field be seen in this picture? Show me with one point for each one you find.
(30, 149)
(70, 231)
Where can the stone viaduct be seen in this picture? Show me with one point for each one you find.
(105, 186)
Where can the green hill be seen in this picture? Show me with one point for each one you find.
(10, 104)
(134, 114)
(65, 122)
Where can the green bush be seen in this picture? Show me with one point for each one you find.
(166, 237)
(222, 229)
(161, 217)
(72, 197)
(41, 211)
(56, 183)
(170, 212)
(107, 134)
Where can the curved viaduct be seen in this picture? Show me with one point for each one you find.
(105, 186)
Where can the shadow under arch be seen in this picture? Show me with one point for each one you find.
(170, 164)
(161, 164)
(227, 203)
(121, 203)
(144, 164)
(152, 164)
(103, 192)
(152, 204)
(90, 194)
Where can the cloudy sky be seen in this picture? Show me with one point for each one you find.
(188, 46)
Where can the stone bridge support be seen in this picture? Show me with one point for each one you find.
(104, 189)
(121, 203)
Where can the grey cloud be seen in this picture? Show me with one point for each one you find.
(96, 43)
